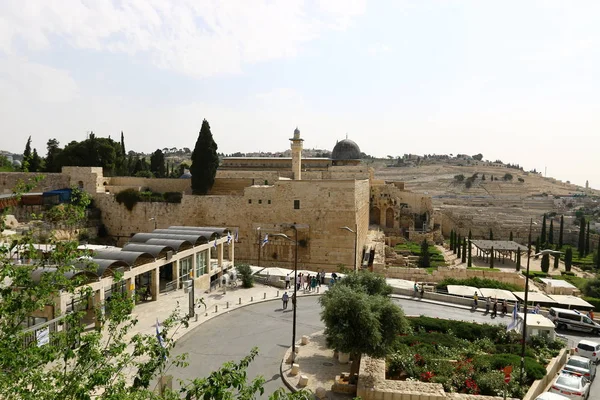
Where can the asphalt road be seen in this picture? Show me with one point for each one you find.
(231, 337)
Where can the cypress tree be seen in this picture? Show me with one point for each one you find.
(469, 257)
(492, 257)
(587, 239)
(551, 232)
(510, 237)
(35, 162)
(454, 243)
(458, 247)
(123, 153)
(556, 259)
(581, 241)
(560, 231)
(543, 237)
(470, 236)
(598, 256)
(518, 260)
(424, 261)
(491, 234)
(205, 161)
(545, 265)
(464, 251)
(26, 155)
(537, 245)
(568, 258)
(452, 239)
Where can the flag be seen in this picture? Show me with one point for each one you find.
(236, 236)
(159, 338)
(228, 237)
(513, 323)
(215, 244)
(265, 240)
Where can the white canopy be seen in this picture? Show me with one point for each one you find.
(462, 290)
(499, 294)
(557, 283)
(275, 271)
(570, 301)
(535, 297)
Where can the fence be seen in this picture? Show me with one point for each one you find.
(44, 333)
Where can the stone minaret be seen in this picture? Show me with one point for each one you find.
(296, 146)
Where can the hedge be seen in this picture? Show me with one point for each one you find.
(130, 197)
(478, 283)
(593, 301)
(491, 362)
(462, 330)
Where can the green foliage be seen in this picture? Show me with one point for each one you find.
(507, 177)
(574, 280)
(92, 152)
(70, 214)
(173, 197)
(594, 301)
(205, 161)
(424, 260)
(129, 197)
(459, 178)
(545, 263)
(592, 288)
(561, 231)
(368, 282)
(477, 282)
(568, 258)
(245, 275)
(157, 164)
(435, 256)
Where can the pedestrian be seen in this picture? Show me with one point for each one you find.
(302, 281)
(415, 288)
(319, 277)
(313, 283)
(495, 308)
(322, 277)
(294, 301)
(474, 299)
(287, 281)
(488, 304)
(298, 281)
(504, 307)
(422, 290)
(591, 314)
(536, 310)
(285, 299)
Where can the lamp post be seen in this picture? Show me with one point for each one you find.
(295, 240)
(355, 231)
(153, 219)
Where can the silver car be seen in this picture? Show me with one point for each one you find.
(581, 366)
(575, 387)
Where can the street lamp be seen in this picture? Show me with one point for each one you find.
(355, 231)
(153, 219)
(295, 240)
(543, 252)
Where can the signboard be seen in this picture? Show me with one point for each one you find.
(42, 336)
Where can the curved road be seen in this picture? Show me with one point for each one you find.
(231, 336)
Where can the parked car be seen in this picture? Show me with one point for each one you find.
(551, 396)
(588, 349)
(573, 320)
(582, 366)
(575, 387)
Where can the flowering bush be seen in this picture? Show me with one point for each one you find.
(427, 376)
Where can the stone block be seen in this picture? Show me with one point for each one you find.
(295, 369)
(321, 393)
(303, 381)
(343, 358)
(305, 340)
(291, 358)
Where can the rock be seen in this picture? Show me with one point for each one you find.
(321, 393)
(295, 369)
(303, 381)
(343, 358)
(305, 340)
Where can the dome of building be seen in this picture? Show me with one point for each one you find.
(16, 164)
(346, 150)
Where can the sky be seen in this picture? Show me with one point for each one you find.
(514, 80)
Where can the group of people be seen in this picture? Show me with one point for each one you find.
(286, 298)
(308, 282)
(502, 306)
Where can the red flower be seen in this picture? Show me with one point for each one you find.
(426, 376)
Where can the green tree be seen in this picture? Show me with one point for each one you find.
(545, 264)
(452, 239)
(587, 239)
(560, 231)
(469, 256)
(157, 164)
(359, 323)
(518, 262)
(245, 275)
(464, 251)
(510, 236)
(551, 232)
(491, 234)
(424, 258)
(492, 257)
(592, 288)
(543, 237)
(368, 282)
(537, 244)
(26, 155)
(458, 248)
(93, 152)
(581, 241)
(53, 151)
(568, 258)
(205, 161)
(35, 162)
(598, 256)
(556, 261)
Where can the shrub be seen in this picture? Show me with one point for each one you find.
(459, 178)
(173, 197)
(592, 288)
(533, 369)
(462, 330)
(246, 275)
(507, 177)
(593, 301)
(129, 197)
(479, 283)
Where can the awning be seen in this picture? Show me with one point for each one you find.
(534, 297)
(462, 290)
(500, 294)
(570, 301)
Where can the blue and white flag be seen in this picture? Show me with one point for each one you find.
(215, 244)
(513, 323)
(228, 237)
(236, 236)
(159, 338)
(265, 240)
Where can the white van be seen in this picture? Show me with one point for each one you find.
(573, 320)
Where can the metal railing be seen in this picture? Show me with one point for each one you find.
(32, 335)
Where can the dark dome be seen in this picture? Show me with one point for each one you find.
(346, 150)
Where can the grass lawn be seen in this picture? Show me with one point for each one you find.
(435, 256)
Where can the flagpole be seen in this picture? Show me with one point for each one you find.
(259, 243)
(524, 338)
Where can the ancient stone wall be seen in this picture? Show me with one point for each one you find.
(160, 185)
(9, 181)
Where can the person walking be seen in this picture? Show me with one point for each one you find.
(474, 299)
(488, 304)
(313, 283)
(285, 299)
(415, 288)
(287, 281)
(294, 301)
(298, 281)
(319, 278)
(504, 307)
(495, 308)
(322, 277)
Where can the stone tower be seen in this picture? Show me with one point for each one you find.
(296, 146)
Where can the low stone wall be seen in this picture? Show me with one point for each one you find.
(539, 386)
(420, 275)
(372, 385)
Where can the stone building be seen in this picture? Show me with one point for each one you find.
(255, 196)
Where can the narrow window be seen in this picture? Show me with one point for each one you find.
(259, 201)
(249, 201)
(268, 201)
(296, 204)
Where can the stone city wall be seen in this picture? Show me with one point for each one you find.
(160, 185)
(421, 275)
(51, 181)
(324, 207)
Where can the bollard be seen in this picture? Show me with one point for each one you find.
(317, 289)
(277, 294)
(227, 305)
(252, 298)
(265, 296)
(240, 301)
(216, 308)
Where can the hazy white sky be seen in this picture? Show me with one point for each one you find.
(514, 80)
